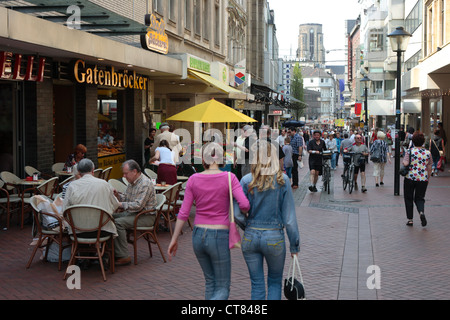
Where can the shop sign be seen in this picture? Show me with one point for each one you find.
(198, 64)
(156, 38)
(239, 69)
(12, 72)
(219, 71)
(110, 78)
(114, 161)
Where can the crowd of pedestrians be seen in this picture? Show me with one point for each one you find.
(267, 167)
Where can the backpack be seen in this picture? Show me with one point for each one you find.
(375, 152)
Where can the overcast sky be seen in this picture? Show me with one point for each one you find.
(289, 14)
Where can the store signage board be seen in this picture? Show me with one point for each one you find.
(9, 71)
(109, 78)
(198, 64)
(156, 38)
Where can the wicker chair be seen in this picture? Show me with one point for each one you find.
(148, 232)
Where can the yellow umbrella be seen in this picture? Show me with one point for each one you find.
(211, 111)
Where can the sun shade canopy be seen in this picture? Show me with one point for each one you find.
(211, 111)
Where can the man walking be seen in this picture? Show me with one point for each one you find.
(297, 149)
(315, 148)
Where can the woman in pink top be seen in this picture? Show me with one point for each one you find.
(210, 191)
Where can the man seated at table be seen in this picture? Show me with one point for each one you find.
(140, 195)
(87, 189)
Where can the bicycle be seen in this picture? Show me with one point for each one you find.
(326, 170)
(349, 171)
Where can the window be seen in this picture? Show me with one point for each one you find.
(217, 24)
(111, 118)
(430, 35)
(413, 61)
(187, 14)
(206, 19)
(158, 6)
(442, 31)
(197, 17)
(376, 40)
(377, 86)
(172, 8)
(414, 19)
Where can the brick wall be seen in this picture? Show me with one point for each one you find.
(133, 124)
(44, 125)
(86, 119)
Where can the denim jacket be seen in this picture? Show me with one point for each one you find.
(272, 209)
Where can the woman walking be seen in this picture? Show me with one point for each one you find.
(288, 163)
(167, 171)
(437, 148)
(272, 209)
(380, 147)
(210, 191)
(416, 181)
(332, 146)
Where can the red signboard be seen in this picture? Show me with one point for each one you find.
(358, 108)
(14, 72)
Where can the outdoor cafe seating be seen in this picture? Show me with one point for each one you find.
(8, 203)
(148, 233)
(45, 235)
(88, 240)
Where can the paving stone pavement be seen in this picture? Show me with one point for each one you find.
(342, 235)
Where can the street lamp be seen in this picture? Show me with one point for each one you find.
(366, 82)
(399, 40)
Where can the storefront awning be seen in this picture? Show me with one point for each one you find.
(381, 107)
(232, 93)
(94, 18)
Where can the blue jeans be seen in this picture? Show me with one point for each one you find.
(289, 172)
(258, 245)
(333, 160)
(213, 254)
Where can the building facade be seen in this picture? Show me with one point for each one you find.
(109, 68)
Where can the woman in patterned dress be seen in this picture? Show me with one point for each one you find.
(416, 181)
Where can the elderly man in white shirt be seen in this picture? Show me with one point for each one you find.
(92, 191)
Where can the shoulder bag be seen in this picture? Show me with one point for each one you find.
(293, 285)
(235, 236)
(375, 155)
(404, 170)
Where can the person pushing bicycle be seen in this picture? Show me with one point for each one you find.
(360, 152)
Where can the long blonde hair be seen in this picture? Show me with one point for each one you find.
(266, 168)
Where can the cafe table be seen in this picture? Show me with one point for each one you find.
(160, 188)
(182, 178)
(63, 174)
(30, 183)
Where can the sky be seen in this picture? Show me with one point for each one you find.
(289, 14)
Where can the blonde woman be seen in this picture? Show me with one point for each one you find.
(272, 209)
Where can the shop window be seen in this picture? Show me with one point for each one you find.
(110, 140)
